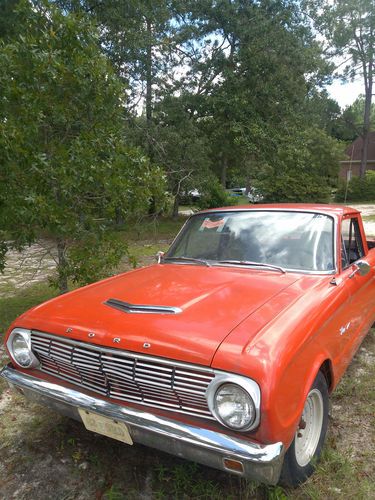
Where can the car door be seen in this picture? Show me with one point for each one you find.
(358, 313)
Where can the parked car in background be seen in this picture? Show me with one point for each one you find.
(191, 196)
(255, 195)
(195, 195)
(237, 191)
(224, 352)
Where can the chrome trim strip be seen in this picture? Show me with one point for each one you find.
(260, 462)
(249, 385)
(26, 335)
(141, 308)
(122, 352)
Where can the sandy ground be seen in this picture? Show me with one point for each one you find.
(32, 265)
(367, 210)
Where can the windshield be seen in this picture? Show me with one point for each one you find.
(292, 240)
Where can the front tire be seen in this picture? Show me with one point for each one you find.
(306, 448)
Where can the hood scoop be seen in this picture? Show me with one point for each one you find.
(141, 308)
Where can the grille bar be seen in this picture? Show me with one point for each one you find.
(126, 376)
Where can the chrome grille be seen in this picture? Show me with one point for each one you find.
(125, 376)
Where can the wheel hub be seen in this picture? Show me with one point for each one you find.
(309, 429)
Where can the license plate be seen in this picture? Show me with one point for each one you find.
(106, 426)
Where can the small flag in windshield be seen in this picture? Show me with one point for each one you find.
(212, 224)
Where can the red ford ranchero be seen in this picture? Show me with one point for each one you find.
(224, 352)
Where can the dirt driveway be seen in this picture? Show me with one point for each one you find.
(368, 214)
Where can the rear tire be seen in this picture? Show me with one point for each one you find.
(306, 448)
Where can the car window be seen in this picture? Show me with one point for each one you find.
(292, 240)
(351, 244)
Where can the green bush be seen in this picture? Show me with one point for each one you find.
(294, 187)
(216, 196)
(358, 189)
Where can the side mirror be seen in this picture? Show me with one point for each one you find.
(159, 256)
(361, 267)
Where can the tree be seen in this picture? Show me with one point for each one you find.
(138, 37)
(180, 147)
(307, 170)
(65, 168)
(349, 124)
(250, 79)
(323, 111)
(8, 17)
(349, 27)
(226, 80)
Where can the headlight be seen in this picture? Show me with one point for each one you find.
(234, 401)
(19, 346)
(234, 406)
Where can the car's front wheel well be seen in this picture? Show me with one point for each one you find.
(326, 369)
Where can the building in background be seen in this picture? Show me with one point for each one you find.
(351, 166)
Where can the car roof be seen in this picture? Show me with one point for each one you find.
(339, 210)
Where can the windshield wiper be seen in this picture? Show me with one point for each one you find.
(189, 259)
(250, 263)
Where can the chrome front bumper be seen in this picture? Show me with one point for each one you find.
(260, 462)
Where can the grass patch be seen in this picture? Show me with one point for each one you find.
(242, 200)
(152, 229)
(337, 476)
(143, 253)
(368, 218)
(193, 481)
(11, 307)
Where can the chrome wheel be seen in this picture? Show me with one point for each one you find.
(310, 427)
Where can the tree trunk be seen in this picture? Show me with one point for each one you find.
(61, 266)
(366, 121)
(152, 205)
(365, 135)
(249, 166)
(149, 85)
(176, 205)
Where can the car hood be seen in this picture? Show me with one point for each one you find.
(212, 302)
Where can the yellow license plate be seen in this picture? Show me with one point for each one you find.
(106, 426)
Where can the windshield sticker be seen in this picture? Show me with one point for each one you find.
(213, 224)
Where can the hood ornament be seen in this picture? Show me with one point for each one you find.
(159, 256)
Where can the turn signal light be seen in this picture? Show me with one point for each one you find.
(233, 465)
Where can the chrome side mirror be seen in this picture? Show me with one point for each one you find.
(159, 256)
(361, 267)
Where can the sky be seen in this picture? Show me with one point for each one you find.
(347, 93)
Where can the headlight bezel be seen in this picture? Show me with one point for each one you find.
(246, 384)
(26, 335)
